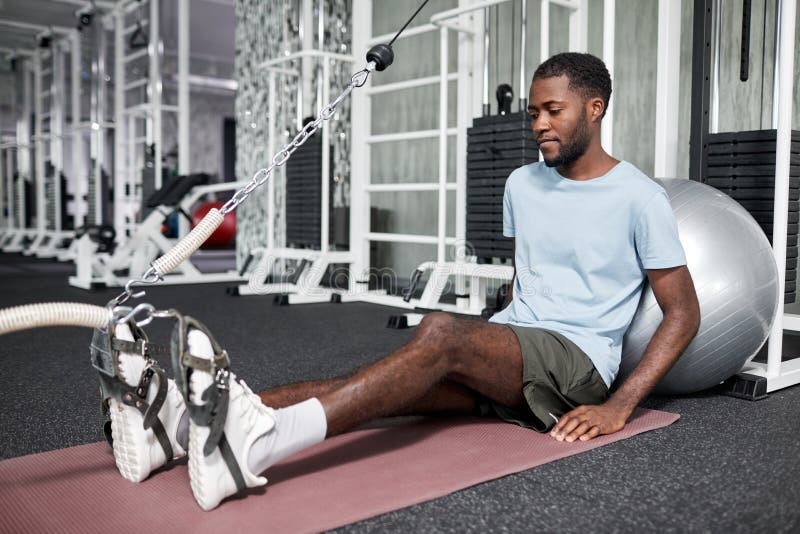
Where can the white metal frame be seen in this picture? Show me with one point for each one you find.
(469, 57)
(15, 229)
(50, 148)
(138, 241)
(667, 89)
(79, 168)
(781, 374)
(38, 150)
(609, 29)
(47, 238)
(145, 245)
(128, 145)
(130, 119)
(314, 263)
(17, 240)
(469, 24)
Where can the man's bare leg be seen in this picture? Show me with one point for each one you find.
(284, 396)
(447, 397)
(483, 357)
(444, 368)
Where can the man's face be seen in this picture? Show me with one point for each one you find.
(559, 120)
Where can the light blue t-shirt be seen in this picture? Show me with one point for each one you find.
(582, 248)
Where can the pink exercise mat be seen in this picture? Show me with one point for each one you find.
(345, 479)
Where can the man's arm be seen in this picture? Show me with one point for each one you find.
(675, 293)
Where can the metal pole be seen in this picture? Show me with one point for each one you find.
(776, 61)
(609, 16)
(9, 171)
(468, 48)
(122, 162)
(701, 71)
(39, 146)
(579, 27)
(523, 82)
(23, 144)
(155, 88)
(667, 88)
(307, 43)
(486, 106)
(57, 132)
(35, 27)
(782, 162)
(326, 162)
(183, 87)
(360, 151)
(443, 105)
(78, 168)
(320, 46)
(544, 31)
(714, 123)
(87, 3)
(271, 150)
(99, 125)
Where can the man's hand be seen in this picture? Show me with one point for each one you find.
(675, 294)
(589, 421)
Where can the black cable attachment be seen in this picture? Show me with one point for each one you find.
(382, 55)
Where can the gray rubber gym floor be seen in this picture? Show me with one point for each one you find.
(727, 465)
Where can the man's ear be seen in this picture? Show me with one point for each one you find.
(596, 109)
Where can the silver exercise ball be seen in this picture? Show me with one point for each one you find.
(736, 279)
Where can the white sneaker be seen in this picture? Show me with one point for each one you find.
(247, 419)
(137, 451)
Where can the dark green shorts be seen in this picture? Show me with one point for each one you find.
(557, 377)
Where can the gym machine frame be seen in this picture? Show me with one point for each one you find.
(14, 230)
(51, 239)
(145, 245)
(313, 263)
(22, 234)
(756, 378)
(140, 243)
(464, 267)
(39, 240)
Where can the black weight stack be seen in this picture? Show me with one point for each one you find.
(496, 145)
(304, 195)
(742, 165)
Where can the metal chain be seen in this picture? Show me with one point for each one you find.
(259, 178)
(358, 79)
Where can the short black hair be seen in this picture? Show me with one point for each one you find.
(587, 74)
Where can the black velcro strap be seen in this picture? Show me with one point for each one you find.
(131, 347)
(183, 362)
(230, 461)
(163, 439)
(140, 346)
(151, 415)
(220, 361)
(218, 400)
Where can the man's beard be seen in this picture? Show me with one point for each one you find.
(575, 148)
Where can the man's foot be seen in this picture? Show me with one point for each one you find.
(222, 404)
(137, 450)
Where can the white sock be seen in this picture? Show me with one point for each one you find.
(296, 427)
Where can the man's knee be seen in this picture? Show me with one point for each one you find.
(439, 331)
(437, 324)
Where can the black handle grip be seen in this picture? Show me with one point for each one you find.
(413, 285)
